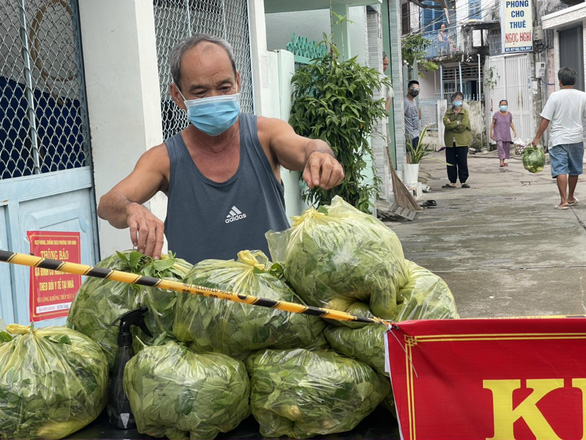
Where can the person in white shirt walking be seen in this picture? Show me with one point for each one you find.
(565, 115)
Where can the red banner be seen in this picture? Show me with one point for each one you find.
(490, 379)
(51, 292)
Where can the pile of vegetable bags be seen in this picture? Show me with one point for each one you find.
(53, 382)
(340, 258)
(100, 302)
(334, 257)
(238, 329)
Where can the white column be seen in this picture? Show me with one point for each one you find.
(122, 85)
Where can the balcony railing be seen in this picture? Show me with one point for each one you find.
(441, 45)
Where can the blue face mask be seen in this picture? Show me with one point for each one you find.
(213, 115)
(503, 108)
(457, 103)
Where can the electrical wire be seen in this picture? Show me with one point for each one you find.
(484, 11)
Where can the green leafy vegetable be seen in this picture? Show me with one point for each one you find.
(300, 393)
(424, 296)
(367, 344)
(53, 382)
(176, 393)
(533, 159)
(237, 329)
(100, 302)
(339, 254)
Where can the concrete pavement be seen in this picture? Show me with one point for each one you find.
(500, 245)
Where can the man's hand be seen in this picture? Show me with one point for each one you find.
(146, 230)
(323, 170)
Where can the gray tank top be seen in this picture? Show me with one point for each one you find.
(206, 219)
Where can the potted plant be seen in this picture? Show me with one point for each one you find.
(415, 156)
(334, 100)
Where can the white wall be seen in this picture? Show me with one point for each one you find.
(312, 25)
(272, 72)
(122, 85)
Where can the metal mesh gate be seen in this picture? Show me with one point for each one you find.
(42, 95)
(177, 19)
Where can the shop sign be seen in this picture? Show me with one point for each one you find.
(517, 26)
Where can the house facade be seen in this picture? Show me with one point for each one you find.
(84, 87)
(482, 59)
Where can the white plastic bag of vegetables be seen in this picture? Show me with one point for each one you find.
(179, 394)
(53, 382)
(100, 302)
(300, 393)
(237, 329)
(337, 254)
(424, 296)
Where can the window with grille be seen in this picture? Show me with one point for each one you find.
(432, 19)
(42, 95)
(405, 18)
(474, 9)
(178, 19)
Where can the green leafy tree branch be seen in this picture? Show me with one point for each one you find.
(413, 48)
(334, 100)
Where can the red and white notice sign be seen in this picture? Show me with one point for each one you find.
(52, 292)
(490, 379)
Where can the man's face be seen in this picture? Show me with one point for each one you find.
(385, 64)
(206, 71)
(443, 27)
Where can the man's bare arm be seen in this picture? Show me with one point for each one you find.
(297, 153)
(542, 127)
(122, 205)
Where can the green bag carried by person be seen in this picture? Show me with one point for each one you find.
(533, 159)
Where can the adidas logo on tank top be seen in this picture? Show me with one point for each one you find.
(234, 215)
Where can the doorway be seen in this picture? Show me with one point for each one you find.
(572, 53)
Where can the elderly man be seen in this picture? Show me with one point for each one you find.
(565, 115)
(222, 173)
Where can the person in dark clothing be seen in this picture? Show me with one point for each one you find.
(232, 163)
(457, 137)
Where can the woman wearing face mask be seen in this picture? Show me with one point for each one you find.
(457, 138)
(500, 131)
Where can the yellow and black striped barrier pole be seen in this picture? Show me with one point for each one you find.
(131, 278)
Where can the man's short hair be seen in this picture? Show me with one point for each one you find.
(184, 45)
(412, 82)
(567, 76)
